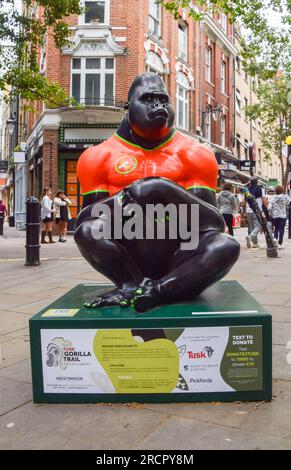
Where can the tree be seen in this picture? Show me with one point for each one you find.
(260, 39)
(21, 36)
(273, 110)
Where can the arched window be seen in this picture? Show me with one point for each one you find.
(154, 63)
(182, 101)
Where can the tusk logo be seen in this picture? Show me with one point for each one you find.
(126, 164)
(209, 351)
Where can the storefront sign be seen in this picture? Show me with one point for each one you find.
(19, 157)
(246, 165)
(151, 361)
(3, 166)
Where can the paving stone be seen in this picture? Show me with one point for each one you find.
(279, 313)
(272, 418)
(226, 414)
(281, 333)
(13, 394)
(77, 427)
(21, 371)
(14, 348)
(11, 321)
(269, 298)
(279, 288)
(281, 368)
(182, 433)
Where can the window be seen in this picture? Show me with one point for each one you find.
(223, 22)
(237, 145)
(154, 18)
(237, 64)
(223, 77)
(246, 149)
(93, 81)
(96, 12)
(238, 101)
(208, 124)
(182, 40)
(182, 101)
(223, 123)
(154, 63)
(208, 61)
(209, 8)
(245, 108)
(259, 126)
(246, 77)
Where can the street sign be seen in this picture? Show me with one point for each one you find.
(19, 157)
(246, 165)
(223, 166)
(3, 166)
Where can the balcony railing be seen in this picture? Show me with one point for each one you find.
(101, 102)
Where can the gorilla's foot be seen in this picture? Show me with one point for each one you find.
(147, 296)
(121, 297)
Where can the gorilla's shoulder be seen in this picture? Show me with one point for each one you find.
(96, 152)
(194, 149)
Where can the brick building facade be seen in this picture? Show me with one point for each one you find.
(112, 42)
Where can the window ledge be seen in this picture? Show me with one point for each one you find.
(224, 94)
(92, 26)
(210, 83)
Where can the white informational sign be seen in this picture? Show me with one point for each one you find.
(170, 360)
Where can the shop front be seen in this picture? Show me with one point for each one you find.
(74, 139)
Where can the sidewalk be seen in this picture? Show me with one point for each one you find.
(24, 425)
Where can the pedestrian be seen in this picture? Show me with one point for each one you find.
(254, 225)
(278, 208)
(47, 212)
(62, 214)
(226, 203)
(3, 212)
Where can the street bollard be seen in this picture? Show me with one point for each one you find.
(1, 222)
(32, 231)
(289, 221)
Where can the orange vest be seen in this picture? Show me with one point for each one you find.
(117, 163)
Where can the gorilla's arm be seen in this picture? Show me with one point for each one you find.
(89, 200)
(205, 194)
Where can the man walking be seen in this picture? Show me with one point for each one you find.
(253, 222)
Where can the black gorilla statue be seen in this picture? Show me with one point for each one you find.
(148, 162)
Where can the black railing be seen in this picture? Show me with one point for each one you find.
(104, 102)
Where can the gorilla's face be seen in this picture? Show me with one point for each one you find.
(150, 112)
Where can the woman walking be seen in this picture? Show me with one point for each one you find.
(47, 212)
(227, 205)
(63, 214)
(278, 209)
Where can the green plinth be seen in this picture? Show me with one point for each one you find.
(216, 348)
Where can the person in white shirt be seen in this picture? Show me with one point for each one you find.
(278, 210)
(47, 212)
(63, 214)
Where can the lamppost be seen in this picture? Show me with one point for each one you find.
(11, 124)
(216, 113)
(288, 142)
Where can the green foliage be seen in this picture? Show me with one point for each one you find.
(261, 43)
(25, 32)
(273, 110)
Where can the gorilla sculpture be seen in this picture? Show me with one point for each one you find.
(148, 162)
